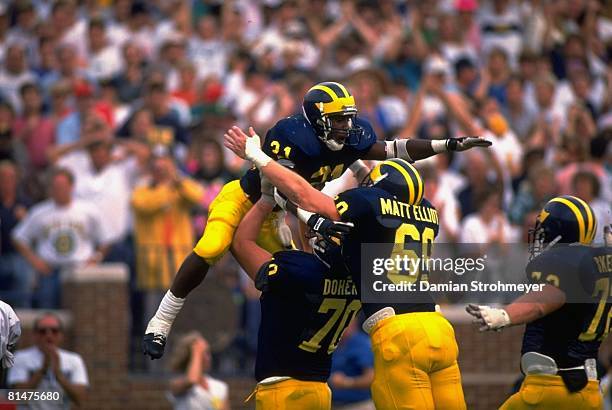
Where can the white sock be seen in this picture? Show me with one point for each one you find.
(169, 307)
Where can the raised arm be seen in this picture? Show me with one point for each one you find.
(297, 189)
(244, 246)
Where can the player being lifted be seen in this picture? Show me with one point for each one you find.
(307, 301)
(415, 351)
(562, 337)
(319, 144)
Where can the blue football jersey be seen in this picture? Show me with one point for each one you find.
(397, 229)
(574, 332)
(305, 307)
(293, 142)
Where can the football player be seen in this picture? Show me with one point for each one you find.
(561, 339)
(415, 351)
(307, 301)
(319, 144)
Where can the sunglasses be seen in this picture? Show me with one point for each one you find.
(44, 330)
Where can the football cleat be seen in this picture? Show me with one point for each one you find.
(153, 345)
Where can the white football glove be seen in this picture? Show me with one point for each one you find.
(465, 143)
(283, 230)
(488, 318)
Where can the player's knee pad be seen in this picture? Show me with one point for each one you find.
(215, 242)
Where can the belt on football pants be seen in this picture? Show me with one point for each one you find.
(382, 314)
(266, 382)
(537, 363)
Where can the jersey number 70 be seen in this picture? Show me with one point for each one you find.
(340, 318)
(604, 309)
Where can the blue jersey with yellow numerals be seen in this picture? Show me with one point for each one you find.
(573, 333)
(305, 307)
(293, 141)
(399, 229)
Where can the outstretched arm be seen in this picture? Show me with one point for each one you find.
(297, 189)
(244, 246)
(525, 309)
(414, 149)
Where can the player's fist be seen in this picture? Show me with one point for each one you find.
(331, 231)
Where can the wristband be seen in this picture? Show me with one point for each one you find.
(303, 215)
(259, 158)
(397, 149)
(439, 146)
(357, 166)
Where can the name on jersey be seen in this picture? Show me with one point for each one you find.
(339, 287)
(604, 263)
(404, 210)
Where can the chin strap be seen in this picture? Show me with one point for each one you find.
(332, 144)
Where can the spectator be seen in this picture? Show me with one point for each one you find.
(488, 226)
(15, 274)
(68, 29)
(47, 66)
(59, 233)
(162, 226)
(386, 113)
(7, 136)
(104, 58)
(60, 94)
(195, 389)
(352, 371)
(47, 367)
(500, 25)
(69, 129)
(207, 51)
(520, 117)
(129, 81)
(10, 331)
(4, 28)
(443, 199)
(533, 194)
(171, 55)
(208, 169)
(480, 177)
(69, 68)
(466, 77)
(24, 31)
(33, 129)
(586, 187)
(102, 178)
(187, 89)
(494, 77)
(157, 101)
(452, 40)
(14, 74)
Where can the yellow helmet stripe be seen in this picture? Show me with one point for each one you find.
(577, 213)
(419, 182)
(375, 173)
(326, 90)
(344, 90)
(339, 105)
(406, 176)
(591, 222)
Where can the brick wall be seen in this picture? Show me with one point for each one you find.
(97, 306)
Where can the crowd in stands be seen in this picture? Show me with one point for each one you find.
(112, 114)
